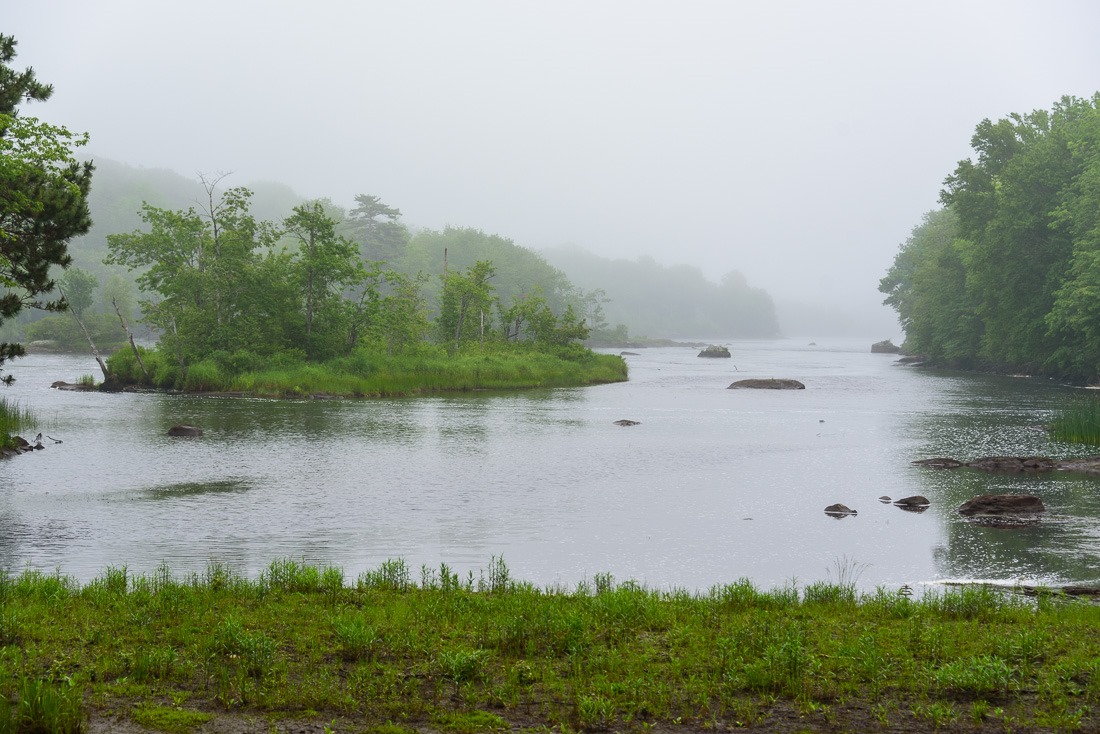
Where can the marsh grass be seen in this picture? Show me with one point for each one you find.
(14, 419)
(1079, 423)
(479, 651)
(367, 374)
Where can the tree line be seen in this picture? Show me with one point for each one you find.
(1006, 275)
(215, 281)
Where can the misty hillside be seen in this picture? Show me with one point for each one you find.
(660, 301)
(648, 298)
(118, 191)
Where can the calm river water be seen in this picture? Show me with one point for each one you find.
(714, 485)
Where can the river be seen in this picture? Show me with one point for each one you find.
(712, 486)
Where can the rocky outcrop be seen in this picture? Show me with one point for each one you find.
(768, 384)
(715, 351)
(21, 445)
(185, 431)
(885, 347)
(839, 510)
(625, 422)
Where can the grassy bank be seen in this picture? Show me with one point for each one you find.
(392, 651)
(368, 374)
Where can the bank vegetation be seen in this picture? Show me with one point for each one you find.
(396, 650)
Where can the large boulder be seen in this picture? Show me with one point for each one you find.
(885, 347)
(715, 351)
(185, 431)
(771, 383)
(839, 510)
(1001, 505)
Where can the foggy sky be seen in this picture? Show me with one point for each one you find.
(797, 142)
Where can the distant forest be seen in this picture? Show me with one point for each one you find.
(1006, 276)
(619, 300)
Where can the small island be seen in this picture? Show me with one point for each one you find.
(715, 351)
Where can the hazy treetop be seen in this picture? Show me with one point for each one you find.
(798, 142)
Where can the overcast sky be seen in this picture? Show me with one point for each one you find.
(797, 142)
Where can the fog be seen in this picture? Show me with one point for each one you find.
(796, 142)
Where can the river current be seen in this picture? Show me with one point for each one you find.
(712, 486)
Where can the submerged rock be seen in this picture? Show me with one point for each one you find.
(625, 422)
(186, 431)
(715, 351)
(1023, 506)
(768, 384)
(939, 463)
(1016, 464)
(1013, 464)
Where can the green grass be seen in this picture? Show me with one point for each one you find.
(1078, 424)
(366, 374)
(486, 652)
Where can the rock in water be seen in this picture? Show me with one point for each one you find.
(885, 347)
(941, 462)
(182, 430)
(715, 351)
(625, 422)
(1002, 505)
(839, 510)
(914, 503)
(768, 384)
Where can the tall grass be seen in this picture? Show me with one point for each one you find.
(14, 419)
(1079, 423)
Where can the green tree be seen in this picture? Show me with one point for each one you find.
(209, 287)
(325, 264)
(79, 288)
(377, 229)
(927, 286)
(43, 196)
(466, 304)
(1008, 274)
(517, 270)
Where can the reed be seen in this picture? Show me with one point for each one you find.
(1079, 423)
(14, 419)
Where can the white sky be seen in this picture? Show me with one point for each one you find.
(797, 141)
